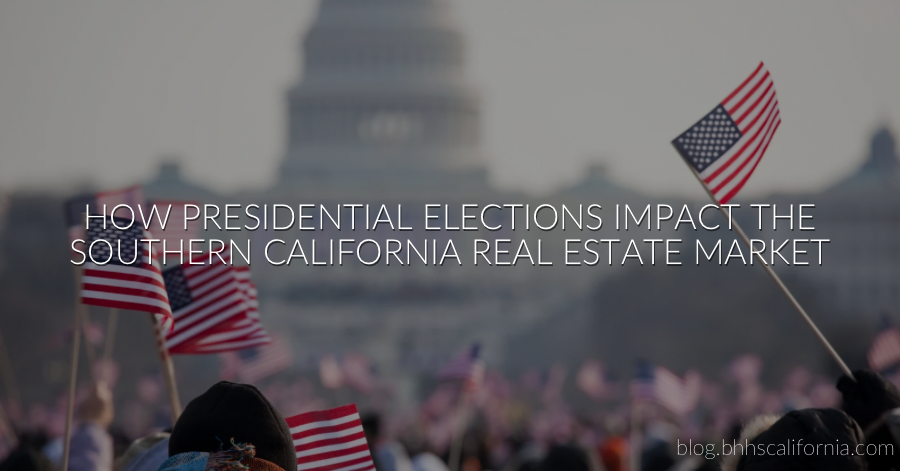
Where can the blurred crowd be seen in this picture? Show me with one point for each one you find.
(497, 426)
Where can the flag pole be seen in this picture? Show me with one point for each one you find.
(168, 369)
(73, 375)
(784, 289)
(110, 333)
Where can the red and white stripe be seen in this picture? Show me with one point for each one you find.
(139, 287)
(331, 440)
(885, 350)
(753, 106)
(217, 297)
(270, 359)
(239, 332)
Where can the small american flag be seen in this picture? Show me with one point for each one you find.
(725, 146)
(466, 366)
(131, 279)
(657, 384)
(175, 232)
(255, 364)
(242, 331)
(331, 440)
(93, 203)
(885, 349)
(203, 297)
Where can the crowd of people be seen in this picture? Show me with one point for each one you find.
(235, 426)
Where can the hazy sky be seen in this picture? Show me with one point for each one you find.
(97, 90)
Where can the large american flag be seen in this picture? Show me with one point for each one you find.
(131, 279)
(657, 384)
(466, 366)
(331, 440)
(726, 145)
(204, 294)
(885, 349)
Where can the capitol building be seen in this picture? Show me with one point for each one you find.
(384, 114)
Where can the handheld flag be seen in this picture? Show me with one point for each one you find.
(93, 204)
(204, 293)
(466, 366)
(131, 279)
(255, 364)
(726, 145)
(241, 331)
(724, 148)
(330, 440)
(657, 384)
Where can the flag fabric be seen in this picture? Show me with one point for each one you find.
(244, 330)
(131, 279)
(255, 364)
(204, 293)
(177, 230)
(330, 440)
(659, 385)
(726, 145)
(885, 349)
(93, 203)
(466, 366)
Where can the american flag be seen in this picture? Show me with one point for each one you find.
(203, 295)
(255, 364)
(131, 279)
(175, 231)
(885, 349)
(466, 366)
(727, 144)
(242, 331)
(93, 203)
(331, 440)
(659, 385)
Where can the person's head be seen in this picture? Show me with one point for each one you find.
(565, 458)
(810, 439)
(231, 415)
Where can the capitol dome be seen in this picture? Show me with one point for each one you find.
(383, 99)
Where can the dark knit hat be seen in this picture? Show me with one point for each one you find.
(239, 412)
(804, 434)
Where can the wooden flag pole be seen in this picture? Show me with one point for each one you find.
(73, 379)
(110, 333)
(167, 368)
(812, 325)
(73, 374)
